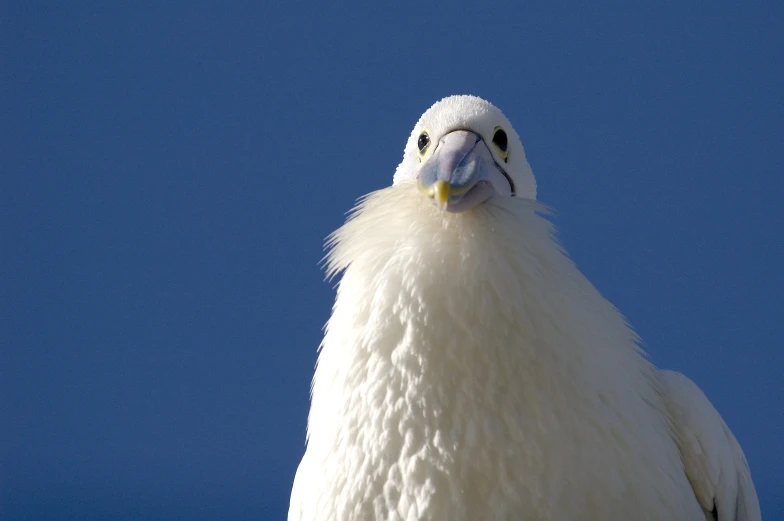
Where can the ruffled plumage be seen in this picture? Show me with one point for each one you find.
(469, 371)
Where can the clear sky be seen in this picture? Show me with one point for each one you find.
(169, 174)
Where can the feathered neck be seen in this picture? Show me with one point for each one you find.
(464, 338)
(470, 281)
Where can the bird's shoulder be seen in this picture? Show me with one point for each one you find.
(713, 460)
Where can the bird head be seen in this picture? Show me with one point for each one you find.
(463, 152)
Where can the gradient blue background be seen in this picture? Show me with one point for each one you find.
(169, 174)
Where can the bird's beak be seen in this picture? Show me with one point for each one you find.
(456, 176)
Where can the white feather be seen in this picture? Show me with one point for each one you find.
(470, 372)
(713, 459)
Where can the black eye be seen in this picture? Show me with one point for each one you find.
(499, 138)
(423, 141)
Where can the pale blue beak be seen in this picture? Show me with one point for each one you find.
(457, 175)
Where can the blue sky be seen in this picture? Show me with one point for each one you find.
(169, 174)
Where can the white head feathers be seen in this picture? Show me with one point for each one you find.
(480, 116)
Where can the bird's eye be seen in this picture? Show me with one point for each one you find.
(501, 142)
(423, 143)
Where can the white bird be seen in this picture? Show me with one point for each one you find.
(470, 372)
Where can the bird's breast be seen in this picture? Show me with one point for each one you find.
(468, 374)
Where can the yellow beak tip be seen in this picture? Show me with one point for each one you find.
(441, 191)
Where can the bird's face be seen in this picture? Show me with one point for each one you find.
(463, 152)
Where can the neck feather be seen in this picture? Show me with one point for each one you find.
(463, 336)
